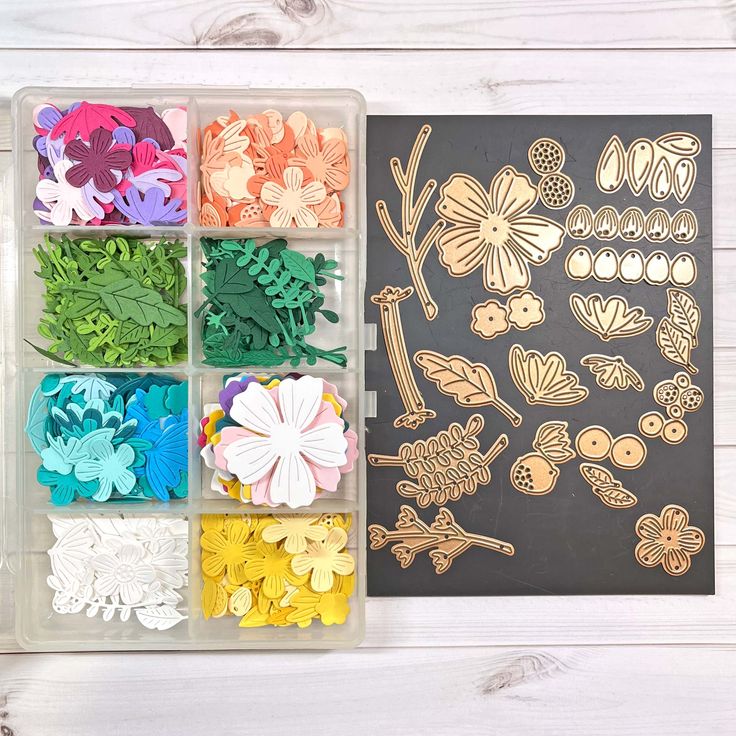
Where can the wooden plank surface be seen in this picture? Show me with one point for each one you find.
(329, 24)
(578, 691)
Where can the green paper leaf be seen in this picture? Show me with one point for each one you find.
(231, 279)
(50, 355)
(83, 303)
(127, 299)
(298, 265)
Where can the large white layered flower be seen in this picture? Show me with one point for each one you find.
(286, 444)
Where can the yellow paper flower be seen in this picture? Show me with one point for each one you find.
(272, 564)
(333, 608)
(213, 521)
(228, 550)
(304, 607)
(323, 559)
(296, 530)
(489, 319)
(525, 310)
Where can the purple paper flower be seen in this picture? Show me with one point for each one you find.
(46, 116)
(98, 161)
(149, 209)
(228, 394)
(124, 136)
(148, 124)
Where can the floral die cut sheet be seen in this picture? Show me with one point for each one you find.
(478, 219)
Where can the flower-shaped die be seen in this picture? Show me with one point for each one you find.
(490, 319)
(668, 540)
(525, 310)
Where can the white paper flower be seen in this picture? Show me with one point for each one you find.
(291, 201)
(285, 451)
(123, 574)
(63, 199)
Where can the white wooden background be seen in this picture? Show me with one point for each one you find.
(499, 666)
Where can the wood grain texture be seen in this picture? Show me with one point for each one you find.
(610, 690)
(329, 24)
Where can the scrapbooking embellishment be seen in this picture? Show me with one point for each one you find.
(444, 539)
(113, 301)
(677, 333)
(608, 490)
(613, 372)
(470, 384)
(249, 573)
(546, 156)
(114, 567)
(106, 165)
(262, 170)
(667, 539)
(412, 210)
(611, 170)
(522, 311)
(263, 303)
(494, 229)
(627, 451)
(610, 318)
(579, 222)
(556, 191)
(446, 465)
(536, 472)
(544, 379)
(275, 441)
(111, 437)
(416, 412)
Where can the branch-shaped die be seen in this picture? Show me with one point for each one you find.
(393, 336)
(444, 539)
(411, 214)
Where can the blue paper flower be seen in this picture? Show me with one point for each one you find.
(109, 466)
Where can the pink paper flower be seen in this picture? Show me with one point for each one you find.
(97, 161)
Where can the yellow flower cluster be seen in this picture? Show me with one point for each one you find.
(277, 569)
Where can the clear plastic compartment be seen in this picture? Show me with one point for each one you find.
(27, 533)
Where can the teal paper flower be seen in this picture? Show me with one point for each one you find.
(109, 466)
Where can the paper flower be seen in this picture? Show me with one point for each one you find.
(271, 564)
(333, 608)
(286, 446)
(489, 319)
(525, 310)
(232, 181)
(82, 120)
(124, 574)
(110, 467)
(327, 164)
(668, 540)
(296, 531)
(63, 199)
(150, 208)
(494, 229)
(293, 199)
(324, 559)
(229, 552)
(97, 161)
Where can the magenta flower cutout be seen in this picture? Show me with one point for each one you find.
(83, 120)
(97, 161)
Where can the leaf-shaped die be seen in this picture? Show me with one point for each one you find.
(605, 223)
(470, 384)
(613, 372)
(684, 178)
(553, 441)
(611, 170)
(597, 476)
(609, 318)
(660, 183)
(680, 144)
(631, 224)
(616, 497)
(544, 379)
(657, 225)
(579, 222)
(639, 162)
(684, 313)
(160, 618)
(684, 226)
(675, 345)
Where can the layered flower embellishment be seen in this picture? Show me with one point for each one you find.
(494, 230)
(276, 442)
(263, 170)
(101, 164)
(285, 570)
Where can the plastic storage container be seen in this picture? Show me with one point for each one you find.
(27, 531)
